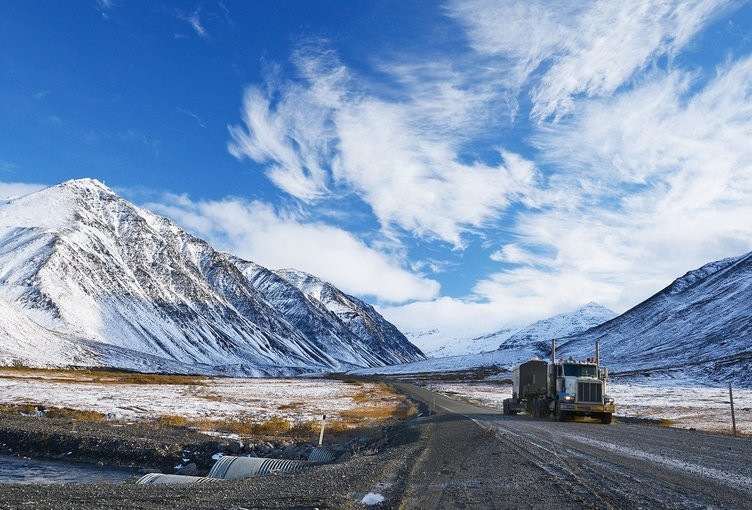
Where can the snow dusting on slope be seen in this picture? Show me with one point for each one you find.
(132, 289)
(437, 344)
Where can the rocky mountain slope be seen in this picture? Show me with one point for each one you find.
(357, 335)
(701, 324)
(133, 289)
(359, 317)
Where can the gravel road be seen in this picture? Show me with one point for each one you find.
(467, 456)
(603, 466)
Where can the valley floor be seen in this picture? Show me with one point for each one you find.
(467, 456)
(195, 399)
(670, 403)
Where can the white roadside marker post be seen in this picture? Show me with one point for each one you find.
(733, 416)
(321, 435)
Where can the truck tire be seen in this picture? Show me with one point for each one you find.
(606, 418)
(560, 415)
(538, 408)
(505, 408)
(545, 412)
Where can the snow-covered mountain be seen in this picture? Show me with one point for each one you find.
(347, 328)
(22, 338)
(359, 317)
(531, 341)
(132, 289)
(700, 324)
(437, 344)
(698, 329)
(560, 326)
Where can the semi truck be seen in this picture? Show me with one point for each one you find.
(564, 388)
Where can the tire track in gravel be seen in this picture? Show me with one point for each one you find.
(619, 465)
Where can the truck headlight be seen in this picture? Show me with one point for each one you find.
(608, 400)
(568, 398)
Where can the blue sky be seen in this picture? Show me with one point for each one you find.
(465, 165)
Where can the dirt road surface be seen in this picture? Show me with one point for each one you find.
(586, 463)
(466, 456)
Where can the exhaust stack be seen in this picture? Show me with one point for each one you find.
(598, 357)
(552, 370)
(553, 351)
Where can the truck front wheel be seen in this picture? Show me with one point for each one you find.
(606, 418)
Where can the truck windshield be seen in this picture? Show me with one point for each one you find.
(579, 370)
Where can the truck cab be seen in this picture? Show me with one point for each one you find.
(580, 389)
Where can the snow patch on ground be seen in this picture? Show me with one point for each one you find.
(372, 499)
(686, 406)
(295, 400)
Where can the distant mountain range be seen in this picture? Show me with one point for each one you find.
(506, 347)
(698, 328)
(437, 344)
(89, 279)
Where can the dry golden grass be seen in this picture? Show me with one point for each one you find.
(90, 376)
(211, 396)
(27, 409)
(244, 427)
(292, 405)
(398, 411)
(362, 396)
(380, 402)
(306, 430)
(75, 414)
(52, 412)
(172, 420)
(377, 404)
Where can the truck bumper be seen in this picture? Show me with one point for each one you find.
(587, 408)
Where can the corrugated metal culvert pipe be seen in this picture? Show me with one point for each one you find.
(233, 468)
(321, 455)
(159, 478)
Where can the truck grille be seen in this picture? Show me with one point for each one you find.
(589, 392)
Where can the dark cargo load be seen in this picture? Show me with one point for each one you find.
(530, 379)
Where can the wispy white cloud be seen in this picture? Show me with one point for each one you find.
(662, 177)
(402, 157)
(649, 176)
(194, 20)
(280, 239)
(192, 115)
(152, 144)
(570, 48)
(7, 166)
(645, 175)
(105, 7)
(464, 318)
